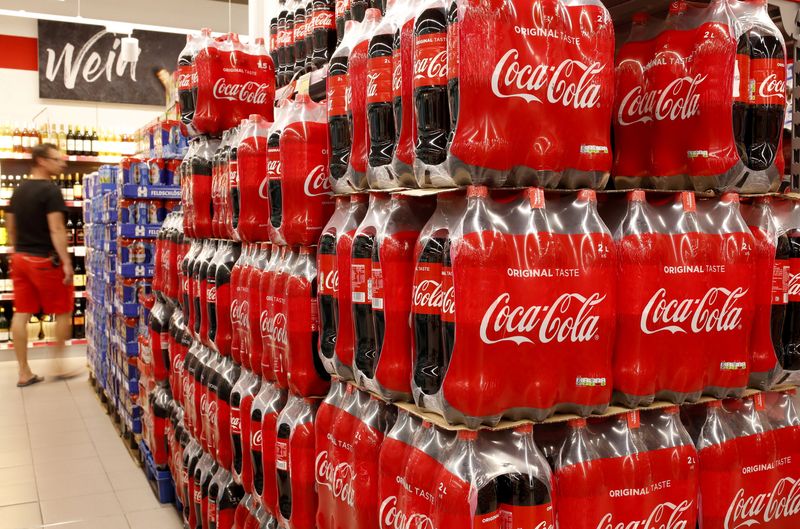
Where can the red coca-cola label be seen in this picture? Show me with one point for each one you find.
(339, 8)
(282, 454)
(656, 489)
(448, 295)
(793, 284)
(527, 516)
(323, 19)
(377, 286)
(780, 282)
(361, 280)
(379, 79)
(397, 74)
(328, 275)
(250, 92)
(428, 294)
(236, 420)
(284, 37)
(185, 77)
(430, 60)
(767, 82)
(741, 78)
(337, 95)
(299, 31)
(273, 41)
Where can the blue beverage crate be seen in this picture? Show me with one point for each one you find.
(160, 480)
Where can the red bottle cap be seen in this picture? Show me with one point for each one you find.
(467, 435)
(477, 191)
(730, 196)
(637, 195)
(715, 404)
(342, 199)
(359, 198)
(524, 428)
(588, 195)
(577, 423)
(536, 197)
(306, 250)
(688, 201)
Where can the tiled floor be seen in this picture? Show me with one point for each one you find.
(62, 463)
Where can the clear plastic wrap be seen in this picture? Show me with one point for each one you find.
(277, 342)
(264, 427)
(347, 456)
(250, 192)
(386, 369)
(467, 119)
(528, 310)
(294, 464)
(265, 310)
(275, 170)
(199, 190)
(748, 462)
(305, 198)
(788, 215)
(362, 249)
(700, 99)
(233, 81)
(333, 293)
(684, 297)
(629, 470)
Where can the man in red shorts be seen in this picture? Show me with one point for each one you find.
(41, 268)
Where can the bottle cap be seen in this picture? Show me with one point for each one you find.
(588, 195)
(688, 201)
(637, 195)
(467, 435)
(640, 18)
(524, 428)
(477, 191)
(359, 198)
(577, 423)
(730, 196)
(714, 404)
(536, 197)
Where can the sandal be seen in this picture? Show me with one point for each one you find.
(35, 379)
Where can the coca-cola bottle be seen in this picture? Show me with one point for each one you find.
(268, 403)
(339, 118)
(265, 310)
(767, 90)
(251, 208)
(380, 109)
(185, 74)
(289, 71)
(301, 25)
(328, 286)
(403, 16)
(219, 178)
(273, 41)
(360, 279)
(159, 337)
(327, 412)
(200, 177)
(275, 173)
(790, 359)
(281, 43)
(277, 343)
(358, 84)
(242, 397)
(294, 463)
(741, 95)
(255, 344)
(430, 84)
(324, 39)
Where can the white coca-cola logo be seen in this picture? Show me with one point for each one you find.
(250, 92)
(782, 502)
(512, 79)
(212, 294)
(393, 518)
(397, 77)
(184, 81)
(236, 312)
(236, 423)
(716, 310)
(678, 101)
(316, 183)
(372, 84)
(568, 318)
(330, 281)
(794, 284)
(276, 327)
(666, 515)
(339, 479)
(428, 293)
(449, 301)
(256, 441)
(323, 19)
(264, 323)
(263, 188)
(431, 67)
(772, 86)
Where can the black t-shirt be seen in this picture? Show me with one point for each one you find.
(30, 204)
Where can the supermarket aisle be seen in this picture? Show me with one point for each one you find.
(62, 464)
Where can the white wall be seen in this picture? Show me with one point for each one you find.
(19, 96)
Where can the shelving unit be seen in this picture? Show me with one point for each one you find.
(44, 343)
(71, 158)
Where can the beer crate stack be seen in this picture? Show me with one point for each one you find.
(413, 305)
(100, 234)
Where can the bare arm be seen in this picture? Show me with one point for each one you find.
(11, 229)
(58, 234)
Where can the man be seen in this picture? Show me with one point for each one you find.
(41, 268)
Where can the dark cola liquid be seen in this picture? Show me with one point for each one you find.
(363, 323)
(428, 354)
(380, 115)
(283, 477)
(452, 82)
(256, 418)
(235, 197)
(448, 327)
(275, 193)
(790, 359)
(521, 490)
(339, 127)
(397, 102)
(273, 35)
(740, 107)
(289, 50)
(431, 103)
(378, 323)
(358, 8)
(211, 301)
(280, 66)
(323, 38)
(486, 511)
(328, 306)
(309, 59)
(765, 121)
(195, 275)
(318, 366)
